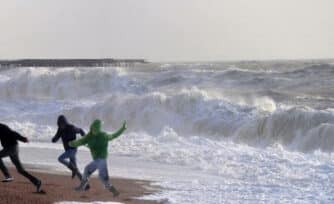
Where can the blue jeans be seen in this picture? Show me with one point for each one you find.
(101, 165)
(68, 158)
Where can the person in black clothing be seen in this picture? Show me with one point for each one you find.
(67, 132)
(10, 146)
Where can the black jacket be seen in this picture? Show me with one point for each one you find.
(67, 132)
(9, 137)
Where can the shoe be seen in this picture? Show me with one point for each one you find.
(73, 170)
(73, 173)
(114, 191)
(8, 179)
(39, 187)
(87, 187)
(83, 186)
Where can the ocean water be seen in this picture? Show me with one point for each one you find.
(233, 132)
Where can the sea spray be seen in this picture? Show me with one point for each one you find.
(258, 132)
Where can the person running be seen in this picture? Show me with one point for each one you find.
(97, 141)
(10, 146)
(67, 132)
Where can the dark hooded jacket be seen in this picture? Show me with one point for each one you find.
(9, 137)
(67, 132)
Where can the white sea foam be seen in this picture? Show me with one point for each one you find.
(242, 135)
(93, 202)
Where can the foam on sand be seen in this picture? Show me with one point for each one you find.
(93, 202)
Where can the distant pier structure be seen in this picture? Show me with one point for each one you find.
(70, 62)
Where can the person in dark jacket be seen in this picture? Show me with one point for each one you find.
(10, 146)
(67, 132)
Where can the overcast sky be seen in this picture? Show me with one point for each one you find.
(167, 30)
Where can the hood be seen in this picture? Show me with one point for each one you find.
(95, 127)
(62, 121)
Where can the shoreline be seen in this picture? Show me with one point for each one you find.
(60, 188)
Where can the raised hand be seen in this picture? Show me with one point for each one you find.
(124, 126)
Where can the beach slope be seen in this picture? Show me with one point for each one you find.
(60, 188)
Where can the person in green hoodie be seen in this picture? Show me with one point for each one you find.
(97, 141)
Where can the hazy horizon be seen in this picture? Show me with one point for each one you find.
(171, 61)
(173, 31)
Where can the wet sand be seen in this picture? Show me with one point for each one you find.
(61, 188)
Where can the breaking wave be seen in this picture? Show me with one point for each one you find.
(211, 104)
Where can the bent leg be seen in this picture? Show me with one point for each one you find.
(89, 170)
(73, 163)
(3, 168)
(62, 159)
(16, 161)
(104, 177)
(103, 173)
(72, 156)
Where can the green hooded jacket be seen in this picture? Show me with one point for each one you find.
(97, 141)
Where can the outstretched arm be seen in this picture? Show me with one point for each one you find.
(79, 131)
(79, 142)
(19, 137)
(57, 136)
(118, 132)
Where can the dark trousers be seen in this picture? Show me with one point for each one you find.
(13, 153)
